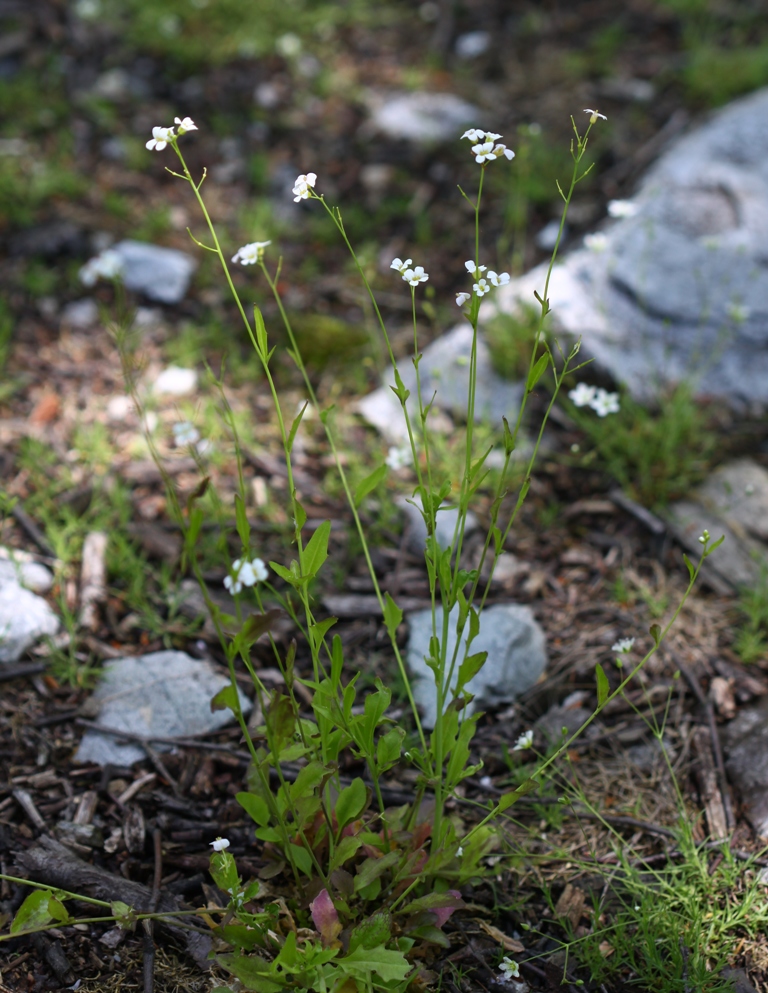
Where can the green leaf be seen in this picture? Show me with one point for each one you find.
(302, 859)
(603, 686)
(352, 801)
(655, 632)
(308, 779)
(470, 668)
(253, 972)
(301, 514)
(374, 868)
(373, 932)
(316, 551)
(386, 964)
(538, 371)
(57, 910)
(125, 915)
(509, 798)
(226, 699)
(509, 441)
(255, 806)
(388, 749)
(33, 912)
(241, 521)
(255, 626)
(319, 629)
(689, 566)
(399, 389)
(393, 615)
(370, 483)
(261, 332)
(428, 932)
(295, 426)
(345, 849)
(224, 871)
(283, 573)
(433, 901)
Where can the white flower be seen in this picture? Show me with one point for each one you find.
(481, 287)
(399, 265)
(461, 298)
(524, 741)
(471, 267)
(186, 125)
(288, 45)
(509, 968)
(738, 313)
(219, 845)
(251, 253)
(459, 852)
(704, 537)
(593, 115)
(583, 395)
(107, 265)
(474, 134)
(160, 138)
(622, 208)
(245, 573)
(623, 646)
(185, 433)
(398, 457)
(415, 276)
(596, 242)
(604, 403)
(498, 280)
(486, 151)
(302, 185)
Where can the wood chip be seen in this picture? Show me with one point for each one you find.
(93, 578)
(135, 788)
(721, 694)
(709, 792)
(571, 904)
(507, 943)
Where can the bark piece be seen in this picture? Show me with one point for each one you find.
(93, 578)
(708, 787)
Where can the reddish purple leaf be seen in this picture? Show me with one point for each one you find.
(325, 918)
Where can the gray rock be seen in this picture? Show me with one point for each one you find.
(445, 524)
(472, 44)
(516, 655)
(165, 693)
(680, 289)
(745, 743)
(424, 118)
(24, 616)
(21, 568)
(162, 274)
(444, 371)
(80, 314)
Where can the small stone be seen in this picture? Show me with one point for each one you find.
(24, 570)
(176, 381)
(472, 44)
(162, 274)
(424, 118)
(164, 693)
(516, 655)
(80, 314)
(745, 743)
(445, 524)
(24, 616)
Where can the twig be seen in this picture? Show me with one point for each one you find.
(93, 578)
(17, 671)
(654, 524)
(149, 941)
(25, 801)
(33, 531)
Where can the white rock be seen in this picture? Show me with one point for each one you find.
(176, 381)
(424, 118)
(24, 616)
(80, 314)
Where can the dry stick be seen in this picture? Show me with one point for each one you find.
(149, 942)
(717, 751)
(93, 578)
(33, 531)
(24, 669)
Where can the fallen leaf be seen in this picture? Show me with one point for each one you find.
(507, 943)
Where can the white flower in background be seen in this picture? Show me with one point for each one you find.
(186, 125)
(498, 280)
(481, 287)
(623, 646)
(288, 45)
(107, 265)
(185, 433)
(474, 269)
(251, 253)
(474, 134)
(245, 573)
(398, 457)
(622, 208)
(509, 968)
(399, 265)
(738, 313)
(219, 845)
(160, 138)
(415, 276)
(597, 242)
(604, 403)
(593, 115)
(582, 395)
(302, 186)
(704, 537)
(524, 741)
(462, 298)
(459, 852)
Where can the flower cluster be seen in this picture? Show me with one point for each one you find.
(185, 433)
(623, 646)
(485, 149)
(107, 265)
(484, 284)
(162, 136)
(251, 254)
(245, 573)
(301, 188)
(411, 276)
(600, 400)
(523, 742)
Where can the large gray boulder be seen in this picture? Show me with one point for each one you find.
(679, 289)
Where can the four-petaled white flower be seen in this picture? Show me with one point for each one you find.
(302, 186)
(462, 298)
(524, 741)
(486, 151)
(399, 265)
(186, 125)
(471, 267)
(509, 968)
(160, 138)
(415, 276)
(219, 845)
(185, 433)
(475, 134)
(481, 287)
(604, 403)
(582, 395)
(498, 280)
(593, 115)
(107, 265)
(398, 457)
(622, 208)
(704, 537)
(251, 253)
(623, 646)
(245, 573)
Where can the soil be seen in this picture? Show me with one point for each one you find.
(588, 567)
